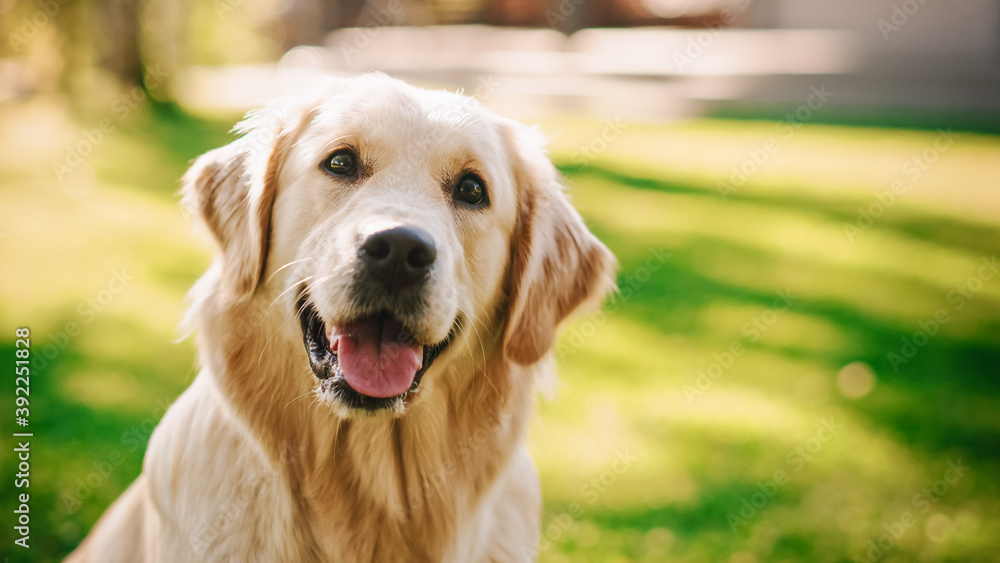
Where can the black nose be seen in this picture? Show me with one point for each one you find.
(399, 257)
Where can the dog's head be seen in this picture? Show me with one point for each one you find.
(402, 231)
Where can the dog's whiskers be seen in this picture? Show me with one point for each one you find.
(323, 280)
(289, 288)
(299, 397)
(289, 264)
(465, 337)
(479, 337)
(260, 359)
(482, 349)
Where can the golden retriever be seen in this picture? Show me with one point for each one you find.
(393, 264)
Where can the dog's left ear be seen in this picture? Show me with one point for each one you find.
(232, 189)
(557, 264)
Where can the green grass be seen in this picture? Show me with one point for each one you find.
(638, 463)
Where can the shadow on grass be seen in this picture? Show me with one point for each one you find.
(81, 457)
(942, 398)
(939, 229)
(973, 120)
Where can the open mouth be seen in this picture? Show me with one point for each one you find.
(371, 363)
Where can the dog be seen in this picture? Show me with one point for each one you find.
(392, 267)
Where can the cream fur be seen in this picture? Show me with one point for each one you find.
(254, 462)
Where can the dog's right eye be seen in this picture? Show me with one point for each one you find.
(342, 162)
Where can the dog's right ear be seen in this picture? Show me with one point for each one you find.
(220, 189)
(232, 190)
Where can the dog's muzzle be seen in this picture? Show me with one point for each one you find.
(373, 361)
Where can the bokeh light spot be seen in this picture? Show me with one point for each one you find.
(855, 380)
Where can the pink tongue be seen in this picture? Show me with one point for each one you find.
(377, 356)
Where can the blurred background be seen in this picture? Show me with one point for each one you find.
(804, 360)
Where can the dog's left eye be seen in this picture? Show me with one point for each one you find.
(342, 163)
(471, 190)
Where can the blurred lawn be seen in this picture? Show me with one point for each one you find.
(687, 457)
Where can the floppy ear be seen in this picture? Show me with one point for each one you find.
(232, 189)
(557, 264)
